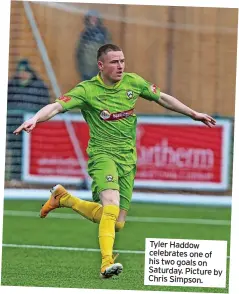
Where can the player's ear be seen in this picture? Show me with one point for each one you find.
(100, 65)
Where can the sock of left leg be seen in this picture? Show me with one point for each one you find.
(107, 232)
(88, 209)
(119, 226)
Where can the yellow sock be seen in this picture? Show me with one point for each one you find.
(119, 226)
(89, 210)
(107, 232)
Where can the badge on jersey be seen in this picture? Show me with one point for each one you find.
(130, 94)
(65, 98)
(105, 114)
(109, 178)
(153, 88)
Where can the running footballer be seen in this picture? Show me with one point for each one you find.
(107, 103)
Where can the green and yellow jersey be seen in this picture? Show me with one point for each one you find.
(109, 112)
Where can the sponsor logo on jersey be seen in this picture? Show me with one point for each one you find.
(106, 115)
(130, 94)
(153, 88)
(65, 98)
(109, 178)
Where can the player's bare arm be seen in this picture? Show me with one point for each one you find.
(44, 114)
(174, 104)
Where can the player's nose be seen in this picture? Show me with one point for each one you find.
(120, 66)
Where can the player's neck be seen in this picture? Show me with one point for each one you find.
(106, 81)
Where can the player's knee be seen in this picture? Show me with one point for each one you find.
(119, 226)
(110, 197)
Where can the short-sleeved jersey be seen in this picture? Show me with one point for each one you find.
(109, 112)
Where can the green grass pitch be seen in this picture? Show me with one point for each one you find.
(45, 267)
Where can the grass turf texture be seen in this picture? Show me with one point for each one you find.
(78, 269)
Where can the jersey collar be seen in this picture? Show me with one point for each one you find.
(116, 85)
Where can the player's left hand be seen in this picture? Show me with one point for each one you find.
(205, 118)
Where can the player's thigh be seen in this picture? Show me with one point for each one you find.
(126, 183)
(104, 174)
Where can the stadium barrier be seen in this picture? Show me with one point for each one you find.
(177, 199)
(174, 153)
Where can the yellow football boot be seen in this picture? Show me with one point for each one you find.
(57, 192)
(109, 268)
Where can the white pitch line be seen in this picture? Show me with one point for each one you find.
(129, 218)
(70, 248)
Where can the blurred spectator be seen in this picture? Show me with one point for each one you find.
(26, 93)
(94, 35)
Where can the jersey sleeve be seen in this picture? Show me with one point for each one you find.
(148, 90)
(74, 99)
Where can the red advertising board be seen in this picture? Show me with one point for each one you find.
(172, 153)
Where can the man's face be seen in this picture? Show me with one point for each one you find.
(112, 65)
(93, 20)
(24, 75)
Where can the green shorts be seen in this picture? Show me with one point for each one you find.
(107, 173)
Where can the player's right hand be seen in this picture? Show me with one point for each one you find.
(27, 126)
